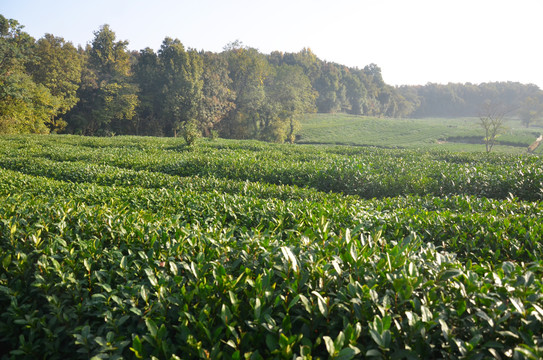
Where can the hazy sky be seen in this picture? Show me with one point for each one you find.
(413, 41)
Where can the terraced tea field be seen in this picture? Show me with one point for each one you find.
(143, 248)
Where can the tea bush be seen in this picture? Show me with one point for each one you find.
(140, 248)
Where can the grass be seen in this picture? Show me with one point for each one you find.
(460, 134)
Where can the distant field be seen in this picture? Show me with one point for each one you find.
(463, 134)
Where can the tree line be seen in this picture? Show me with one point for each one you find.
(48, 85)
(524, 101)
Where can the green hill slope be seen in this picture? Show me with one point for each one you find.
(463, 134)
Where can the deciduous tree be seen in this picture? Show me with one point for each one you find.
(24, 105)
(147, 76)
(249, 70)
(289, 95)
(491, 119)
(530, 110)
(181, 74)
(108, 95)
(56, 64)
(218, 98)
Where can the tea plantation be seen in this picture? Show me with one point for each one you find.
(145, 248)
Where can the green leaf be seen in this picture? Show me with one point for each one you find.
(193, 269)
(373, 353)
(335, 263)
(136, 311)
(376, 336)
(347, 354)
(173, 268)
(99, 298)
(444, 328)
(124, 263)
(527, 351)
(538, 309)
(137, 347)
(162, 331)
(106, 287)
(387, 321)
(144, 293)
(340, 340)
(494, 353)
(271, 342)
(122, 320)
(6, 261)
(294, 301)
(330, 347)
(226, 315)
(151, 276)
(529, 278)
(100, 341)
(485, 317)
(321, 304)
(461, 307)
(283, 341)
(426, 314)
(449, 274)
(517, 304)
(151, 327)
(258, 307)
(289, 257)
(306, 303)
(116, 299)
(347, 236)
(87, 264)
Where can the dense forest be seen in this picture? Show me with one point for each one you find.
(49, 85)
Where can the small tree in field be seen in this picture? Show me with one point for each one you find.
(190, 132)
(491, 119)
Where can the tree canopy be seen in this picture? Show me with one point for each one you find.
(49, 85)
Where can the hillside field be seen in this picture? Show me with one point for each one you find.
(455, 134)
(137, 247)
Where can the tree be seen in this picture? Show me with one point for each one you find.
(248, 70)
(530, 110)
(289, 96)
(355, 91)
(491, 119)
(108, 97)
(15, 47)
(181, 75)
(332, 92)
(147, 76)
(218, 99)
(57, 66)
(25, 106)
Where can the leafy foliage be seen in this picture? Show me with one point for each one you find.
(134, 247)
(103, 89)
(108, 95)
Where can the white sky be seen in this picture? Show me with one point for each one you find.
(414, 42)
